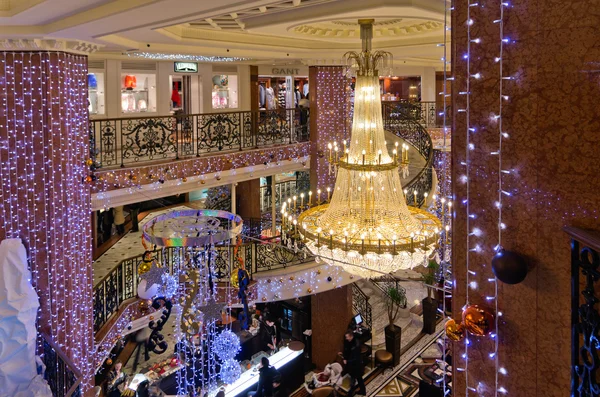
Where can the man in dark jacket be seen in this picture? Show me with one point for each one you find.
(353, 363)
(268, 377)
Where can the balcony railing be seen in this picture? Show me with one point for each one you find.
(399, 121)
(62, 376)
(585, 317)
(121, 283)
(428, 114)
(126, 141)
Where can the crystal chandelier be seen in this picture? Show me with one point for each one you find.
(367, 227)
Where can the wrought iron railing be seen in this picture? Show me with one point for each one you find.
(429, 114)
(361, 305)
(398, 120)
(387, 281)
(124, 141)
(122, 282)
(585, 317)
(62, 376)
(283, 191)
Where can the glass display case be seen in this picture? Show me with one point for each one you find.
(96, 93)
(225, 91)
(138, 93)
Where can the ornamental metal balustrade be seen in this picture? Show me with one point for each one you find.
(409, 128)
(428, 114)
(361, 305)
(61, 374)
(121, 283)
(120, 142)
(585, 317)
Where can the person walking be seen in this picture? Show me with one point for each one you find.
(354, 364)
(119, 219)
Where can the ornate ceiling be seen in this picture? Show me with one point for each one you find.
(264, 30)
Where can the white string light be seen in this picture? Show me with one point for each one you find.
(43, 146)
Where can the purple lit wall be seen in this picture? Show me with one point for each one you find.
(43, 148)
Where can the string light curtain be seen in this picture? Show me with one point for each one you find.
(43, 148)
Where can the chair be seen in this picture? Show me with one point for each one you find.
(324, 391)
(383, 358)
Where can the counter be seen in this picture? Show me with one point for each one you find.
(285, 357)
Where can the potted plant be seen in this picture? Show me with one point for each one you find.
(395, 300)
(430, 304)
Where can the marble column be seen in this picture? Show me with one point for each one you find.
(44, 199)
(552, 117)
(331, 313)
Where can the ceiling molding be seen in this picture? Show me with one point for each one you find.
(10, 8)
(72, 46)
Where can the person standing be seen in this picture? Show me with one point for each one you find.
(117, 380)
(119, 219)
(353, 363)
(270, 335)
(268, 378)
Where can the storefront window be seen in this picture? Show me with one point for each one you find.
(96, 93)
(225, 91)
(138, 93)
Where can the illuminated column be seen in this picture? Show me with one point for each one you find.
(329, 118)
(44, 201)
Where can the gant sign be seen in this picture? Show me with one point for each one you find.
(284, 70)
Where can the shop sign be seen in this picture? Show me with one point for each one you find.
(284, 70)
(186, 67)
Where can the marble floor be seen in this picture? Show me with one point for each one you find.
(410, 323)
(128, 246)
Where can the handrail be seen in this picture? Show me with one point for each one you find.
(361, 305)
(397, 119)
(61, 374)
(121, 283)
(585, 317)
(134, 140)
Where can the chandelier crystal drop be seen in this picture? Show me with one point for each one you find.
(367, 227)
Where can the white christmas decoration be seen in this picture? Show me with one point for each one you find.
(230, 371)
(18, 312)
(226, 345)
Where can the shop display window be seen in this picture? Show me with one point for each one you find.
(96, 93)
(225, 91)
(138, 93)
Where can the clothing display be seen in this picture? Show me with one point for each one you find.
(130, 82)
(262, 96)
(305, 89)
(175, 97)
(92, 81)
(270, 98)
(281, 97)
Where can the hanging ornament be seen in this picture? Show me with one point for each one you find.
(154, 274)
(226, 345)
(212, 311)
(477, 320)
(509, 267)
(147, 291)
(455, 331)
(230, 371)
(234, 280)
